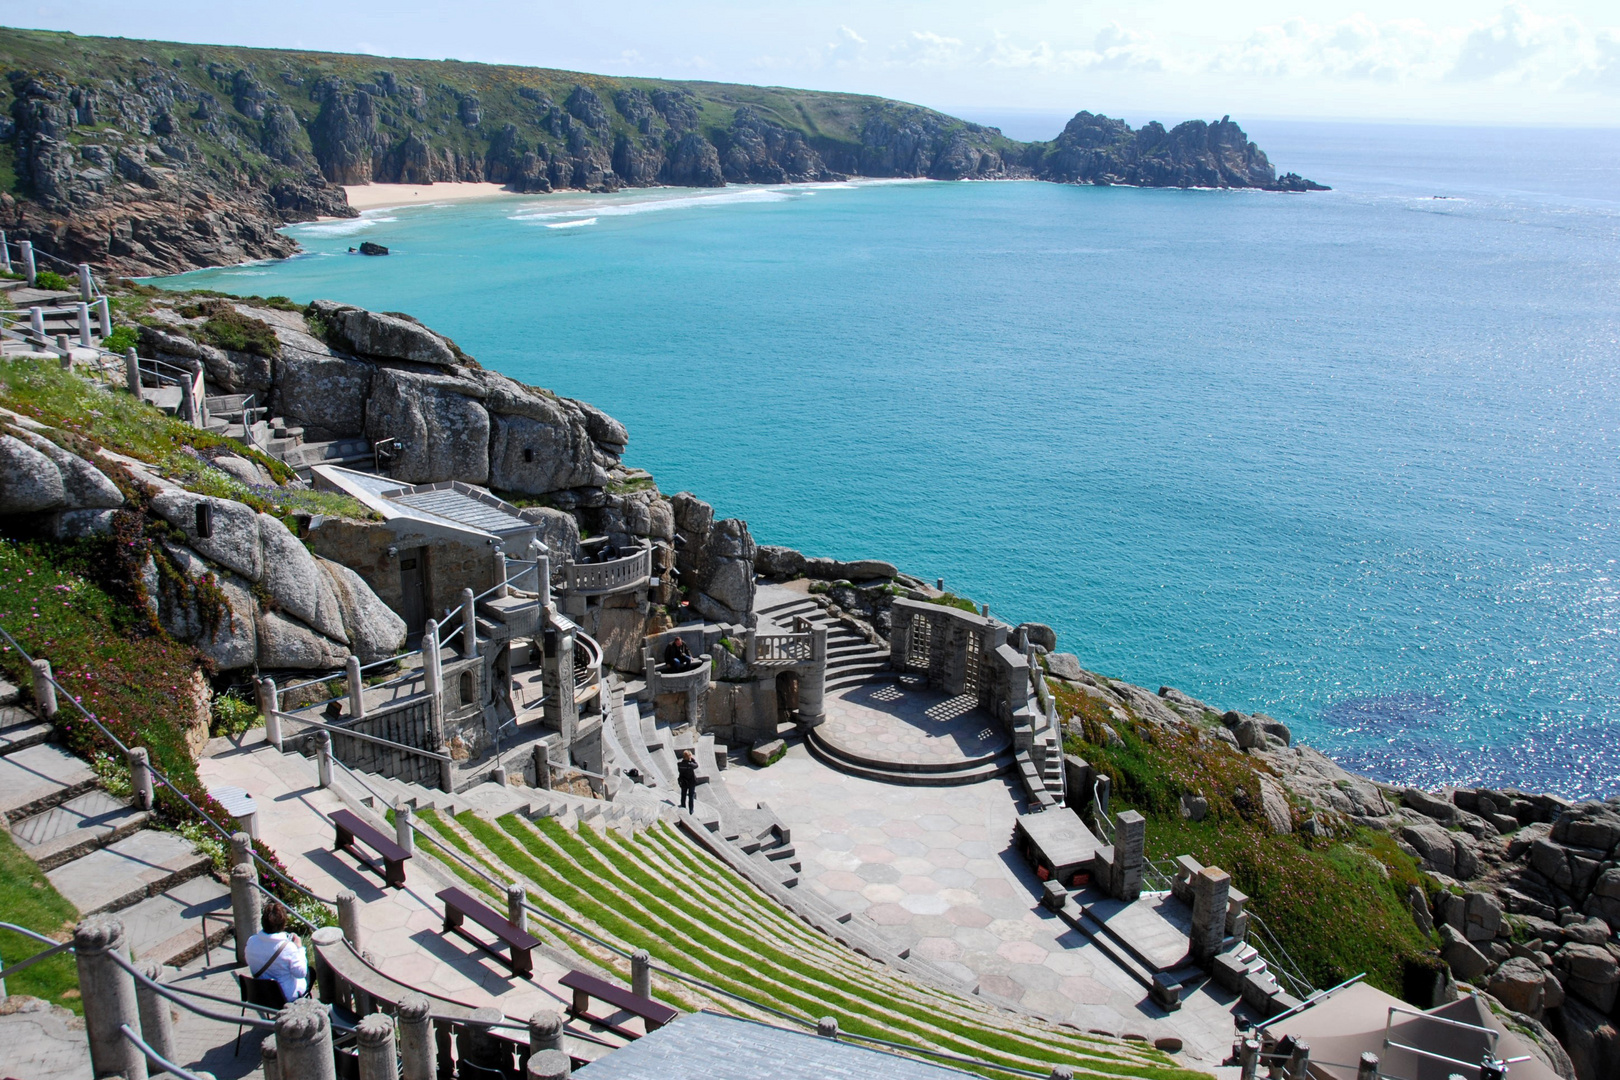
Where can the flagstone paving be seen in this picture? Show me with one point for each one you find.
(934, 870)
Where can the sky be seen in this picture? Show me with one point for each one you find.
(1421, 60)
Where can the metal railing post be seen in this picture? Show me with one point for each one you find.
(25, 248)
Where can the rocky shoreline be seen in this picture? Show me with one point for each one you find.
(154, 158)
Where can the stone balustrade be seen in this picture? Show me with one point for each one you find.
(618, 575)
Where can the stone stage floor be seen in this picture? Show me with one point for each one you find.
(904, 723)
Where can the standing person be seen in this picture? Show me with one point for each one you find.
(275, 954)
(688, 778)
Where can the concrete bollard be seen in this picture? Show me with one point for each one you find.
(5, 253)
(108, 994)
(140, 777)
(545, 1031)
(85, 337)
(827, 1027)
(1368, 1069)
(1299, 1062)
(323, 758)
(417, 1051)
(269, 1061)
(64, 350)
(469, 625)
(479, 1047)
(304, 1041)
(104, 317)
(247, 905)
(549, 1065)
(542, 580)
(498, 775)
(502, 576)
(132, 372)
(44, 689)
(326, 980)
(516, 913)
(268, 708)
(25, 248)
(404, 835)
(348, 912)
(375, 1036)
(542, 766)
(357, 697)
(242, 848)
(1249, 1059)
(87, 284)
(36, 321)
(641, 973)
(157, 1021)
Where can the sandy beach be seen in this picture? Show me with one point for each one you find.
(373, 196)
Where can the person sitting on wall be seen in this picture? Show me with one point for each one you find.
(677, 657)
(276, 955)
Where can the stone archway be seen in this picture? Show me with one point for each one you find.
(787, 696)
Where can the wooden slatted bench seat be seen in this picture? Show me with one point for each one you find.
(655, 1014)
(459, 905)
(351, 829)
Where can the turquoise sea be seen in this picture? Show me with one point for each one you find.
(1347, 458)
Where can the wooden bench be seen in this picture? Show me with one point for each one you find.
(654, 1014)
(350, 829)
(459, 905)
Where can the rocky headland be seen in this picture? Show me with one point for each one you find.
(152, 157)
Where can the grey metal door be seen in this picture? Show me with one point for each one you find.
(413, 588)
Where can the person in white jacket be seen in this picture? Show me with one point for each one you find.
(275, 954)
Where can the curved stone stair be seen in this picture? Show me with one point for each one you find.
(971, 771)
(851, 659)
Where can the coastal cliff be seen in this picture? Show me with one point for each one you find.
(148, 157)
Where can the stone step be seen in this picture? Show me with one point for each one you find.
(168, 926)
(128, 871)
(9, 694)
(39, 777)
(20, 729)
(969, 773)
(77, 827)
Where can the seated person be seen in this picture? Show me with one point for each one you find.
(276, 955)
(677, 657)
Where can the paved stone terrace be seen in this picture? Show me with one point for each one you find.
(933, 869)
(903, 722)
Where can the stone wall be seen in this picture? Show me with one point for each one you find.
(453, 564)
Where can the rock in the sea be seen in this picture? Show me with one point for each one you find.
(369, 248)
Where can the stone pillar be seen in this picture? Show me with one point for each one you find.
(478, 1046)
(86, 283)
(404, 835)
(1211, 887)
(542, 765)
(1130, 839)
(1368, 1069)
(108, 994)
(416, 1046)
(241, 848)
(545, 1031)
(157, 1022)
(549, 1065)
(516, 913)
(469, 620)
(323, 757)
(1249, 1059)
(268, 1059)
(561, 712)
(5, 253)
(104, 317)
(26, 250)
(501, 591)
(542, 579)
(246, 906)
(813, 683)
(268, 709)
(36, 321)
(357, 696)
(304, 1041)
(1299, 1062)
(348, 912)
(132, 371)
(85, 337)
(375, 1036)
(44, 689)
(140, 778)
(326, 981)
(641, 973)
(431, 674)
(827, 1027)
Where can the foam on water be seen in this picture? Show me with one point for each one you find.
(1346, 458)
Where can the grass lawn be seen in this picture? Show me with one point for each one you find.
(27, 899)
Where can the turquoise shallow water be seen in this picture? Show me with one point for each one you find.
(1346, 458)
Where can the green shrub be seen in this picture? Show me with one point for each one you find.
(233, 714)
(227, 328)
(121, 340)
(50, 279)
(952, 600)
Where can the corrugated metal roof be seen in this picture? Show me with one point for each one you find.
(707, 1046)
(461, 508)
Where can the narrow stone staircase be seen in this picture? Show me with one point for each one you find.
(851, 659)
(227, 415)
(100, 851)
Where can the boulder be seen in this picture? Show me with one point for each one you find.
(1441, 852)
(1428, 805)
(1519, 984)
(324, 394)
(229, 638)
(293, 578)
(1592, 1041)
(605, 431)
(1275, 729)
(1590, 972)
(731, 583)
(78, 524)
(622, 632)
(542, 454)
(385, 337)
(284, 643)
(233, 540)
(1466, 962)
(1482, 916)
(767, 752)
(445, 433)
(373, 630)
(29, 481)
(1274, 802)
(1194, 807)
(248, 472)
(84, 487)
(1037, 634)
(778, 563)
(1248, 733)
(1419, 903)
(1588, 931)
(1064, 666)
(556, 529)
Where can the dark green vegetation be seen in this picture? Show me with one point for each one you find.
(1337, 901)
(27, 899)
(714, 926)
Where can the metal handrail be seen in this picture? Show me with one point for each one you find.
(170, 993)
(1290, 970)
(158, 775)
(362, 735)
(156, 1058)
(450, 614)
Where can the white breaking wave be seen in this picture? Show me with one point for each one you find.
(654, 201)
(570, 224)
(345, 227)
